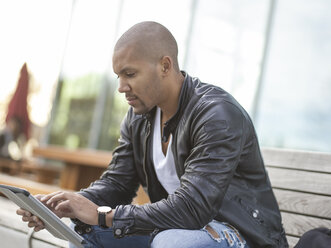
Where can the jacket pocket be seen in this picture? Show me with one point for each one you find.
(254, 212)
(267, 219)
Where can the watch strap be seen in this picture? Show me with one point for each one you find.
(102, 220)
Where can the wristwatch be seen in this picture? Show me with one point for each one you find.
(102, 211)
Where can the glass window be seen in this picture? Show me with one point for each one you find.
(221, 42)
(294, 111)
(83, 85)
(175, 15)
(227, 44)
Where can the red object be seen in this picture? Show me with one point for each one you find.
(18, 104)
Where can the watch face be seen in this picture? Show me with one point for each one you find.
(104, 209)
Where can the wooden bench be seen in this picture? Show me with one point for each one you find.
(42, 172)
(301, 181)
(34, 169)
(81, 166)
(30, 185)
(9, 166)
(302, 185)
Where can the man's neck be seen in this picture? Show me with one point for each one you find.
(169, 107)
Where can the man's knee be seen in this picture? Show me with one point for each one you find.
(167, 238)
(214, 234)
(180, 238)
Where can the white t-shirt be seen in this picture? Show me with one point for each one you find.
(164, 165)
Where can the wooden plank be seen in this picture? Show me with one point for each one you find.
(69, 177)
(9, 218)
(82, 166)
(43, 173)
(90, 157)
(45, 237)
(12, 239)
(304, 160)
(311, 182)
(32, 186)
(43, 244)
(9, 166)
(87, 175)
(304, 203)
(296, 225)
(292, 241)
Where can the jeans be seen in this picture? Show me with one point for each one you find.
(225, 236)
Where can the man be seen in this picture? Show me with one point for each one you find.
(193, 148)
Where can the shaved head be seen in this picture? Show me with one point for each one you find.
(151, 41)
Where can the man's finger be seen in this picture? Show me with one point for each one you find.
(57, 199)
(62, 206)
(27, 214)
(47, 197)
(32, 224)
(23, 212)
(27, 219)
(38, 228)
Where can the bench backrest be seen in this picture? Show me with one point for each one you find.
(302, 185)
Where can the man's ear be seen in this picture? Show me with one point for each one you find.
(166, 64)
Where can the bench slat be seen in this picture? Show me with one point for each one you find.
(303, 160)
(304, 203)
(311, 182)
(32, 186)
(292, 241)
(296, 225)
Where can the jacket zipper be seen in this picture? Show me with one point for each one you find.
(148, 131)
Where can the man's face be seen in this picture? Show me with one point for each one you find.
(138, 79)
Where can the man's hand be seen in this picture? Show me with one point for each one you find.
(63, 204)
(72, 205)
(33, 221)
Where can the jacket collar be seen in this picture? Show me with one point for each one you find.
(170, 125)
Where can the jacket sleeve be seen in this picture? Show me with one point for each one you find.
(119, 183)
(217, 136)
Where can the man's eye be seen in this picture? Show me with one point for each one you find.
(131, 74)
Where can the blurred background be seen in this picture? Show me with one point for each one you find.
(274, 56)
(60, 111)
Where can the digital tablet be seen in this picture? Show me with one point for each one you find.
(52, 222)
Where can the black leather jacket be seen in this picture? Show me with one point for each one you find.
(219, 163)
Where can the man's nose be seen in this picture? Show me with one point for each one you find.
(123, 86)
